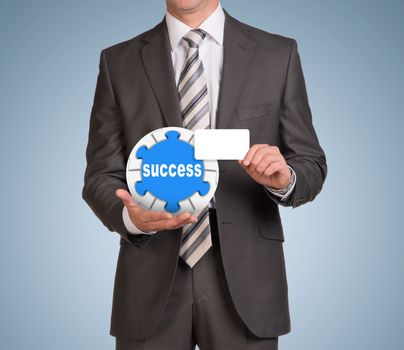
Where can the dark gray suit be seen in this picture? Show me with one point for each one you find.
(262, 89)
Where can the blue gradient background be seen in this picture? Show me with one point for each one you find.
(344, 251)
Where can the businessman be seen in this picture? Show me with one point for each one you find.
(215, 279)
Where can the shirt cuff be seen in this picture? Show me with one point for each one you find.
(284, 193)
(130, 226)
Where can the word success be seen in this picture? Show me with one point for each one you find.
(171, 170)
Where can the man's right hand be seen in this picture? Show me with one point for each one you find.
(147, 220)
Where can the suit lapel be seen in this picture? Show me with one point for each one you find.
(237, 57)
(156, 56)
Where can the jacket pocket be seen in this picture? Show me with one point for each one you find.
(258, 111)
(271, 229)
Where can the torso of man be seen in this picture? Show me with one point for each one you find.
(262, 89)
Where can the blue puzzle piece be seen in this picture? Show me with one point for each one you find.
(171, 153)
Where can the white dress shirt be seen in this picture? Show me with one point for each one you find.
(211, 55)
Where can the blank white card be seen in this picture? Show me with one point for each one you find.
(221, 144)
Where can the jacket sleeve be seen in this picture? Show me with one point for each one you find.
(298, 140)
(105, 154)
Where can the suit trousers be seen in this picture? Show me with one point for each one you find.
(200, 311)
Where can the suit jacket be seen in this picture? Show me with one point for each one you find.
(262, 89)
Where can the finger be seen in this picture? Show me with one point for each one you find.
(183, 219)
(147, 216)
(150, 216)
(274, 150)
(266, 160)
(183, 223)
(159, 225)
(272, 169)
(183, 216)
(250, 154)
(171, 224)
(126, 198)
(258, 156)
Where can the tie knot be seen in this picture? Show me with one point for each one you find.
(194, 37)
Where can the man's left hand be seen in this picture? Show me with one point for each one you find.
(266, 165)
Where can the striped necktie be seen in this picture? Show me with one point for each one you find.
(194, 102)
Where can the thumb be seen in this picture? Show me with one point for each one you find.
(245, 167)
(126, 198)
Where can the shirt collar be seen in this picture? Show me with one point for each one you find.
(213, 25)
